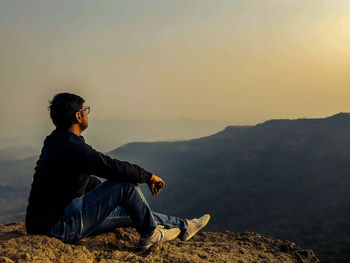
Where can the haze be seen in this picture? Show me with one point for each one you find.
(238, 61)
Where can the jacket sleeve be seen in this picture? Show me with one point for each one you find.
(101, 165)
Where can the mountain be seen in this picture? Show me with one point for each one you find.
(120, 245)
(285, 178)
(106, 134)
(15, 179)
(18, 152)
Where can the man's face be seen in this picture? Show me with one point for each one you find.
(84, 119)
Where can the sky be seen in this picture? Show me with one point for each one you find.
(239, 61)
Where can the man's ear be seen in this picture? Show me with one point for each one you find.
(78, 117)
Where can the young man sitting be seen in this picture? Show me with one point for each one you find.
(67, 202)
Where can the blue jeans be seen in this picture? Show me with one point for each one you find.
(110, 205)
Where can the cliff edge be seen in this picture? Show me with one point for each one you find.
(121, 246)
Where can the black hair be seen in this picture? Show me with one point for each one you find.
(63, 107)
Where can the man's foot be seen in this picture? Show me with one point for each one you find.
(194, 225)
(159, 235)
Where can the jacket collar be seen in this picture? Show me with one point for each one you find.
(62, 130)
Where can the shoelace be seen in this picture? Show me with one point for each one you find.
(197, 222)
(161, 237)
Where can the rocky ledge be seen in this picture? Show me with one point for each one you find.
(121, 246)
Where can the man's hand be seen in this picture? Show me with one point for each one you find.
(155, 184)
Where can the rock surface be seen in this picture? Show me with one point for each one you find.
(121, 246)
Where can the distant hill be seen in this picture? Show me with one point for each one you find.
(286, 178)
(18, 152)
(106, 134)
(15, 180)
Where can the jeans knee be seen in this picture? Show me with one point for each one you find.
(121, 183)
(126, 187)
(130, 185)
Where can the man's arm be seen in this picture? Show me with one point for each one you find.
(101, 165)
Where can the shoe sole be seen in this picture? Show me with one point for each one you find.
(205, 223)
(176, 234)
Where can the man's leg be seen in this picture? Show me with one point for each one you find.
(162, 219)
(111, 205)
(120, 218)
(84, 214)
(99, 203)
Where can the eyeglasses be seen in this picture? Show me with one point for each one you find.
(87, 108)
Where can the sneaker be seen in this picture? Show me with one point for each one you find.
(159, 235)
(194, 225)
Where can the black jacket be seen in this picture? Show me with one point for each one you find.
(64, 171)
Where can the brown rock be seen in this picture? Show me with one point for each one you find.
(121, 246)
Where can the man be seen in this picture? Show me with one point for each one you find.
(67, 202)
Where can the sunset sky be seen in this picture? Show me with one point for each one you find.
(240, 61)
